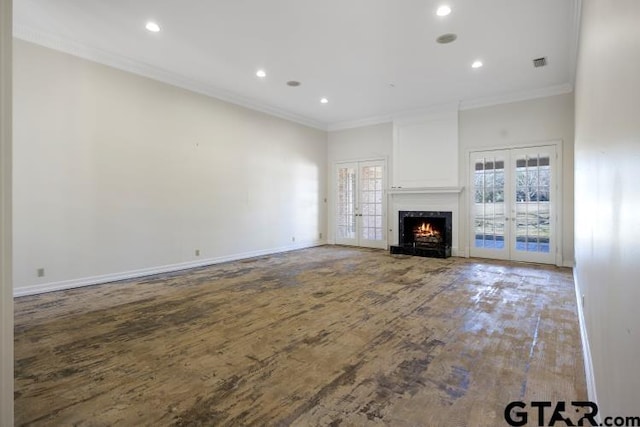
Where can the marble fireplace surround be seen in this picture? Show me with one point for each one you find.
(441, 199)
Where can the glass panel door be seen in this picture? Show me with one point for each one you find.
(490, 235)
(371, 204)
(346, 204)
(360, 204)
(533, 204)
(512, 206)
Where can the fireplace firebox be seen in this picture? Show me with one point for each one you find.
(424, 233)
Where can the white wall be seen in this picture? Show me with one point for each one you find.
(526, 122)
(368, 142)
(607, 197)
(425, 151)
(116, 173)
(6, 289)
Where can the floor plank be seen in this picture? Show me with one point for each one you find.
(323, 336)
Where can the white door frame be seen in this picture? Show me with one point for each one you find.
(334, 193)
(557, 172)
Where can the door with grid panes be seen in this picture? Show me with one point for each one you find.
(513, 204)
(360, 204)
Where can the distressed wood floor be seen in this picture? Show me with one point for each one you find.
(325, 336)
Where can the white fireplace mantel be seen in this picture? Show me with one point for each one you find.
(438, 199)
(425, 190)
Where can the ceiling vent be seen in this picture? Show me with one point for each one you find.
(540, 62)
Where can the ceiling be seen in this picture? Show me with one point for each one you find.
(372, 59)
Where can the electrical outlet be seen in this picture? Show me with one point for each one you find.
(293, 239)
(40, 272)
(197, 252)
(319, 235)
(583, 301)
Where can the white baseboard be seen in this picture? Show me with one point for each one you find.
(19, 291)
(586, 349)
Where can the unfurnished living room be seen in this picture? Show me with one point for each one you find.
(337, 213)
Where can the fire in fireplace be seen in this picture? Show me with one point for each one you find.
(424, 233)
(427, 232)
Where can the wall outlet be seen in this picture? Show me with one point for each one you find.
(583, 301)
(40, 272)
(319, 235)
(197, 252)
(293, 239)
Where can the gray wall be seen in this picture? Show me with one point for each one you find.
(118, 175)
(529, 122)
(6, 290)
(367, 142)
(607, 197)
(525, 122)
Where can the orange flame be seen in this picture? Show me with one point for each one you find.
(425, 230)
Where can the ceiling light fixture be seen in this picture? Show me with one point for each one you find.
(443, 10)
(476, 64)
(324, 101)
(152, 26)
(261, 73)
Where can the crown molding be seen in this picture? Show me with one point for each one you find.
(146, 70)
(516, 96)
(435, 112)
(407, 115)
(358, 123)
(470, 104)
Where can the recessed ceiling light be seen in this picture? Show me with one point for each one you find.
(476, 64)
(261, 73)
(324, 101)
(152, 26)
(443, 10)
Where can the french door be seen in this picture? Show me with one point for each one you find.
(360, 205)
(513, 202)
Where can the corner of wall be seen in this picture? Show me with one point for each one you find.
(586, 349)
(6, 300)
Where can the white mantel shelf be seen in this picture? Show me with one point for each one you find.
(425, 190)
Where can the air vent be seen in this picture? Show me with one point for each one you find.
(446, 38)
(293, 83)
(540, 62)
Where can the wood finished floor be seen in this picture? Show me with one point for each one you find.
(325, 336)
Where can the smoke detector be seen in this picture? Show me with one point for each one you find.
(540, 62)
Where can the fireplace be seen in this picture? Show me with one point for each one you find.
(424, 233)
